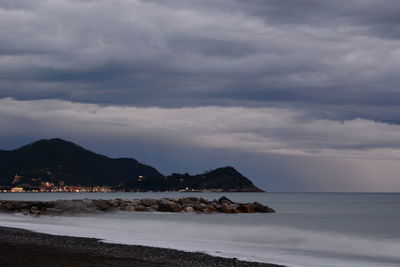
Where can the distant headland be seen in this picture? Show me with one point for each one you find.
(56, 165)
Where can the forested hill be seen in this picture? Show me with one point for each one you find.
(61, 162)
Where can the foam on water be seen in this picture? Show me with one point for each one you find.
(292, 236)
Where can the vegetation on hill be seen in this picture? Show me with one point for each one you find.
(56, 160)
(60, 162)
(225, 179)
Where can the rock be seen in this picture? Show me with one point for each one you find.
(148, 202)
(258, 207)
(129, 208)
(190, 204)
(34, 210)
(115, 202)
(169, 206)
(175, 207)
(199, 206)
(186, 202)
(217, 206)
(245, 208)
(224, 199)
(79, 206)
(125, 203)
(102, 204)
(9, 206)
(202, 200)
(140, 208)
(88, 202)
(136, 202)
(229, 208)
(22, 206)
(225, 208)
(155, 207)
(210, 209)
(189, 209)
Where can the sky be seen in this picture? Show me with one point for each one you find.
(298, 95)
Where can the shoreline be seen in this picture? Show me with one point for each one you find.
(19, 247)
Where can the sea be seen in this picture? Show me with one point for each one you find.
(307, 230)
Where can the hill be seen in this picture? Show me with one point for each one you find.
(225, 179)
(56, 160)
(59, 163)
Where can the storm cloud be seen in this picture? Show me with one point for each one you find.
(269, 79)
(182, 53)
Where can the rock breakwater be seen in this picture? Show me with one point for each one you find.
(188, 205)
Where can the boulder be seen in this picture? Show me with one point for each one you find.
(189, 209)
(210, 209)
(140, 208)
(175, 207)
(229, 208)
(169, 206)
(102, 204)
(258, 207)
(199, 206)
(136, 202)
(34, 210)
(217, 206)
(155, 207)
(148, 202)
(130, 208)
(245, 208)
(224, 199)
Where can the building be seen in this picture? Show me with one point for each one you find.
(17, 189)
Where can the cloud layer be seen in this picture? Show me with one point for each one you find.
(260, 132)
(255, 130)
(185, 53)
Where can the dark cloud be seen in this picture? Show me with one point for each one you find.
(180, 53)
(376, 17)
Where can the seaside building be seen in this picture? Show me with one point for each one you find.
(17, 189)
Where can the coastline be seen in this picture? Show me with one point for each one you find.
(19, 247)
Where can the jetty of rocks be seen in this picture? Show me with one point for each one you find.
(187, 204)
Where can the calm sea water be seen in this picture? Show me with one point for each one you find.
(309, 229)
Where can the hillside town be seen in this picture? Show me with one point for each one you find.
(47, 186)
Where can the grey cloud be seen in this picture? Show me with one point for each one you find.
(378, 17)
(254, 130)
(281, 149)
(307, 54)
(19, 4)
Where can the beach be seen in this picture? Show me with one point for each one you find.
(26, 248)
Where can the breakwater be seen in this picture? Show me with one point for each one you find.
(188, 205)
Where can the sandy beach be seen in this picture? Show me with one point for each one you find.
(25, 248)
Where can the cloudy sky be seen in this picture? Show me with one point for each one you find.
(298, 95)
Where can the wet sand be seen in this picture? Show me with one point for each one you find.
(25, 248)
